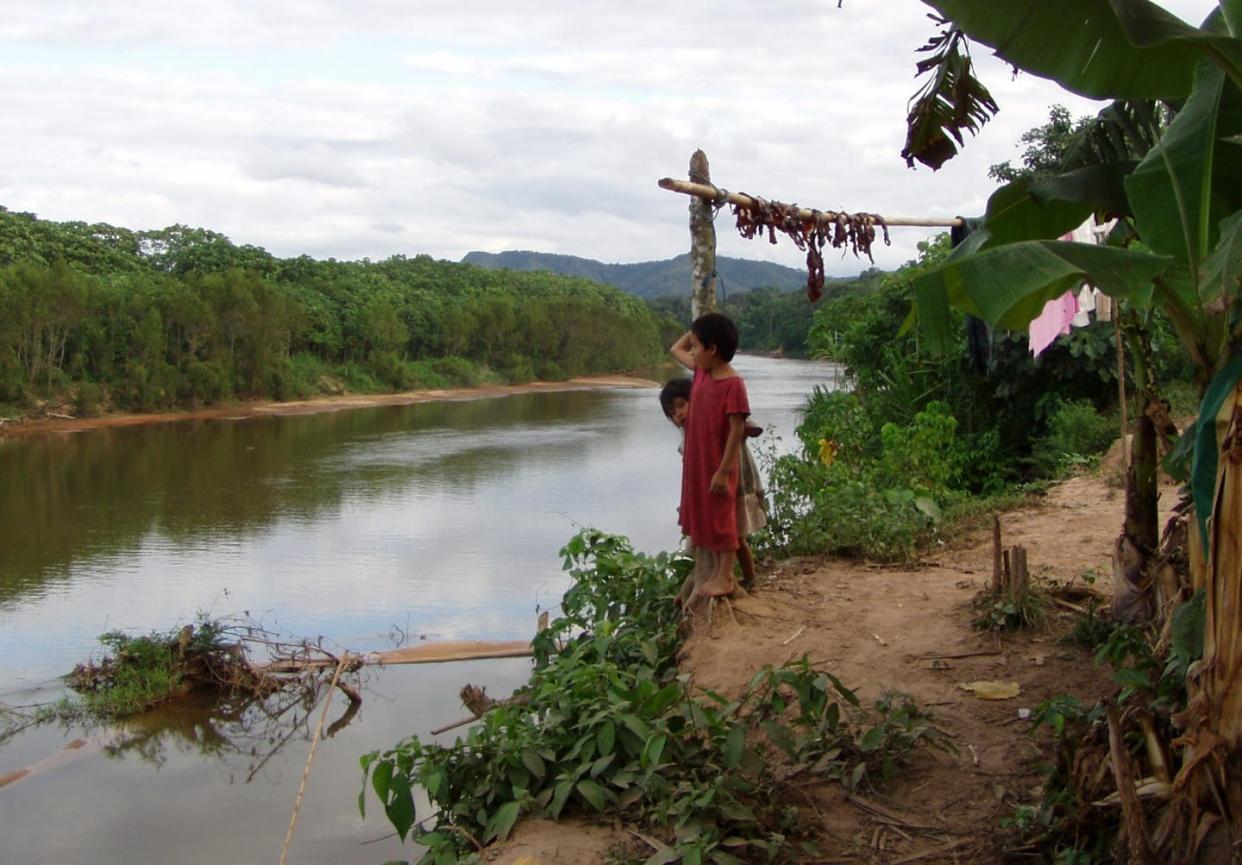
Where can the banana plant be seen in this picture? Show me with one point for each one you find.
(1180, 205)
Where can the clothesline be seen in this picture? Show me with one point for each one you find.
(712, 193)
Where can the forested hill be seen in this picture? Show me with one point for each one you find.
(106, 317)
(648, 278)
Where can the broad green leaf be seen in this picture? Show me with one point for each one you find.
(1031, 209)
(1223, 269)
(1103, 49)
(734, 743)
(662, 856)
(594, 793)
(601, 764)
(655, 749)
(1207, 454)
(381, 778)
(400, 807)
(637, 726)
(502, 821)
(1008, 286)
(1172, 191)
(1131, 678)
(606, 738)
(559, 799)
(1189, 623)
(533, 763)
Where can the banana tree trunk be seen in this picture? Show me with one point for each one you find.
(1133, 554)
(1221, 673)
(1211, 774)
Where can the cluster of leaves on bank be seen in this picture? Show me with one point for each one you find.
(912, 437)
(609, 725)
(181, 316)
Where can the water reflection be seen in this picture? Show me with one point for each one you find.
(440, 520)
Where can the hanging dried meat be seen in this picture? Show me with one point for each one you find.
(810, 231)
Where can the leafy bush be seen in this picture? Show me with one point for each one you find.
(609, 725)
(87, 399)
(457, 371)
(1076, 430)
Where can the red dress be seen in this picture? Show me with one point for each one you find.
(710, 520)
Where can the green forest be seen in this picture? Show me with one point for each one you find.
(94, 317)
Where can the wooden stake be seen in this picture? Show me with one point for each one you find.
(996, 555)
(711, 193)
(702, 241)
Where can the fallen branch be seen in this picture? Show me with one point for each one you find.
(878, 810)
(958, 656)
(310, 757)
(794, 636)
(935, 851)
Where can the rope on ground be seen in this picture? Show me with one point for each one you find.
(297, 802)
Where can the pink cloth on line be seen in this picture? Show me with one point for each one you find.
(1052, 322)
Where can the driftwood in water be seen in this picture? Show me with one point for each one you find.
(476, 700)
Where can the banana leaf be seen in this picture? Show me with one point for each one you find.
(1190, 179)
(1007, 286)
(1032, 208)
(1130, 49)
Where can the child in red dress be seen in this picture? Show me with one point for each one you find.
(751, 510)
(709, 478)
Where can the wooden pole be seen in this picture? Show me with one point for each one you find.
(711, 193)
(702, 241)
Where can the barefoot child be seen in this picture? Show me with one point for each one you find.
(709, 475)
(751, 516)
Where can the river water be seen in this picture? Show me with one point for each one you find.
(367, 527)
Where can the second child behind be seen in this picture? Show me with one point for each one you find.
(714, 429)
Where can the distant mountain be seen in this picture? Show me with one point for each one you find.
(647, 278)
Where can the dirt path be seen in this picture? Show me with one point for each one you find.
(11, 428)
(878, 628)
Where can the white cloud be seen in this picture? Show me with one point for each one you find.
(417, 127)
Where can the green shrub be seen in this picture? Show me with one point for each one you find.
(608, 725)
(550, 370)
(922, 456)
(1076, 431)
(517, 368)
(457, 371)
(390, 369)
(87, 399)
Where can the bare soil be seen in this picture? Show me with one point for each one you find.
(908, 629)
(63, 424)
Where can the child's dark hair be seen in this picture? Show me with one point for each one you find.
(674, 389)
(716, 330)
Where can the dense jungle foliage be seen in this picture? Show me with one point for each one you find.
(113, 318)
(917, 437)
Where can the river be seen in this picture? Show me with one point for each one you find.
(367, 527)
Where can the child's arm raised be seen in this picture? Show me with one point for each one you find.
(733, 444)
(681, 351)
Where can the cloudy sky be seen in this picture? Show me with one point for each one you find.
(377, 127)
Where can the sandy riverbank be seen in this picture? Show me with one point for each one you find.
(317, 404)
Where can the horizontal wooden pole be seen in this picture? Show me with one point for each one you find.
(700, 190)
(439, 653)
